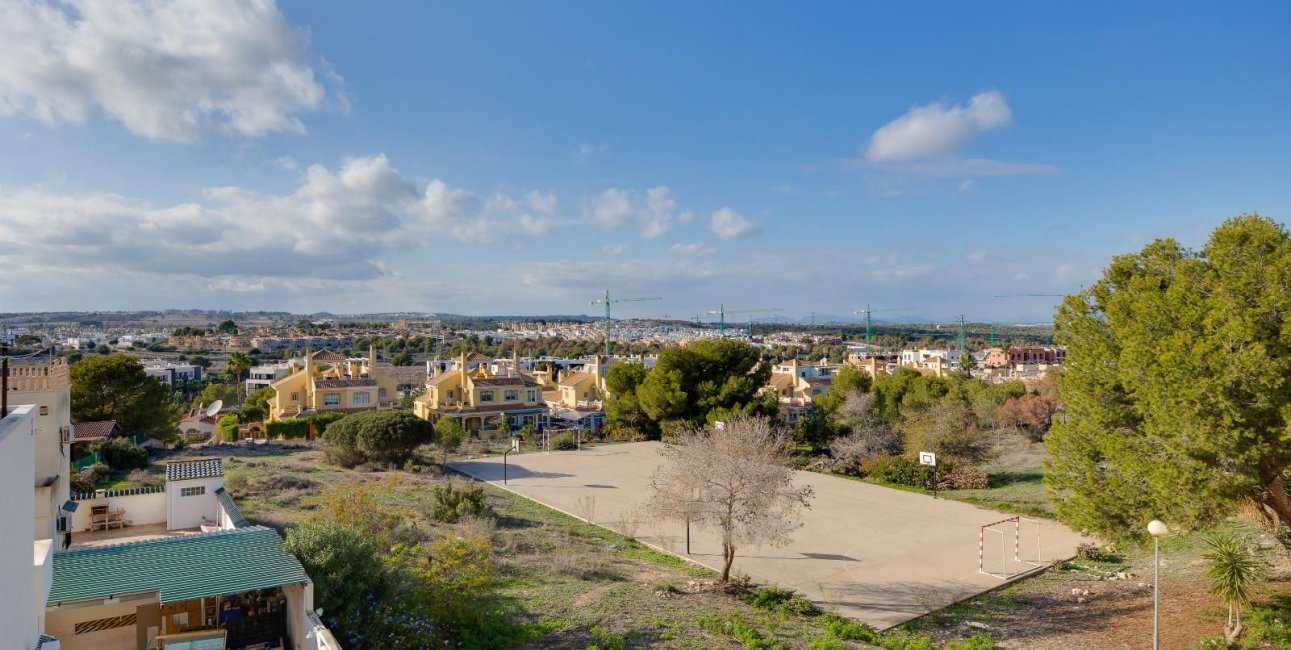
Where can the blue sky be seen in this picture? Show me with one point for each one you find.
(524, 157)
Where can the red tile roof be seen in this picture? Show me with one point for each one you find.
(88, 431)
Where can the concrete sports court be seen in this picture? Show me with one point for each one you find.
(879, 555)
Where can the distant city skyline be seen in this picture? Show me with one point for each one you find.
(523, 158)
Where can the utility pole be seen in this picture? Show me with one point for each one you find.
(607, 302)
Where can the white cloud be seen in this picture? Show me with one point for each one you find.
(926, 141)
(335, 225)
(965, 187)
(729, 224)
(286, 163)
(936, 129)
(612, 249)
(692, 249)
(653, 213)
(610, 208)
(783, 188)
(656, 215)
(165, 70)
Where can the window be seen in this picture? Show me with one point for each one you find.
(295, 397)
(360, 399)
(486, 396)
(192, 491)
(511, 395)
(331, 399)
(381, 393)
(533, 395)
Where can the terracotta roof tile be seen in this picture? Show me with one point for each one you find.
(86, 431)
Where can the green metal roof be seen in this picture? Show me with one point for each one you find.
(179, 568)
(235, 513)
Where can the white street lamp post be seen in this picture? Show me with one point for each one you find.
(1157, 529)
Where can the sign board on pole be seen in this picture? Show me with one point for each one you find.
(927, 458)
(515, 444)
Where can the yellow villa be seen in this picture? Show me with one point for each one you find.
(342, 386)
(796, 386)
(479, 398)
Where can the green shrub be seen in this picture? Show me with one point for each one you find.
(976, 643)
(227, 428)
(825, 643)
(734, 626)
(79, 482)
(453, 579)
(563, 442)
(323, 420)
(898, 470)
(287, 429)
(342, 562)
(380, 436)
(602, 640)
(122, 455)
(251, 413)
(99, 472)
(850, 630)
(450, 503)
(780, 600)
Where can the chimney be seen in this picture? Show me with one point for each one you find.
(372, 357)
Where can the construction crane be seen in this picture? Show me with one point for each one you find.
(867, 311)
(607, 302)
(721, 314)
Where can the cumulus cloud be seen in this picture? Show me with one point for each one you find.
(610, 208)
(165, 70)
(938, 129)
(729, 224)
(927, 139)
(652, 212)
(337, 224)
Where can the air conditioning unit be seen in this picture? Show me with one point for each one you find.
(68, 433)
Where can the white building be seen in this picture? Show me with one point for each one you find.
(920, 358)
(25, 548)
(263, 376)
(171, 373)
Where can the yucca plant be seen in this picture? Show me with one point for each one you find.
(1233, 572)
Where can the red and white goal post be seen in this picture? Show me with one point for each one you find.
(1000, 528)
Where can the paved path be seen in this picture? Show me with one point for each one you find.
(879, 555)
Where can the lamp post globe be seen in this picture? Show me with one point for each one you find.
(1157, 528)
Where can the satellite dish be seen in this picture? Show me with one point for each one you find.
(214, 408)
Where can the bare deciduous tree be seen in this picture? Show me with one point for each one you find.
(870, 436)
(735, 480)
